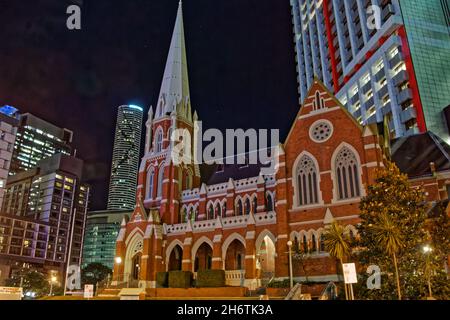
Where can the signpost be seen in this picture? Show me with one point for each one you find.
(350, 276)
(88, 291)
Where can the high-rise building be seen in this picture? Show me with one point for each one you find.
(125, 160)
(43, 216)
(102, 229)
(38, 139)
(380, 58)
(8, 130)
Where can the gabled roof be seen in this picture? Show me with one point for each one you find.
(413, 154)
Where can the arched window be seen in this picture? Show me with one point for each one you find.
(218, 211)
(322, 243)
(305, 244)
(347, 176)
(150, 183)
(239, 211)
(192, 215)
(160, 180)
(247, 206)
(306, 174)
(158, 140)
(313, 243)
(255, 205)
(210, 212)
(269, 202)
(224, 209)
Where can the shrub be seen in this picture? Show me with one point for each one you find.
(210, 278)
(180, 279)
(162, 279)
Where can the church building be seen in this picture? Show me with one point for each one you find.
(235, 218)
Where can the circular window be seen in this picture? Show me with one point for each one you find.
(321, 131)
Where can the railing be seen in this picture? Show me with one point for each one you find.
(235, 278)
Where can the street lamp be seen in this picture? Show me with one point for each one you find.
(291, 278)
(427, 250)
(52, 281)
(118, 260)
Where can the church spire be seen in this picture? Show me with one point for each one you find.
(174, 94)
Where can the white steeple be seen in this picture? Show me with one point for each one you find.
(174, 94)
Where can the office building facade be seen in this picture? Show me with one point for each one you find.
(125, 160)
(36, 140)
(102, 229)
(8, 130)
(384, 60)
(43, 216)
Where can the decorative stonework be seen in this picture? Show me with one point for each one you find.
(321, 131)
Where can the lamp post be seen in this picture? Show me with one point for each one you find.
(427, 250)
(291, 278)
(118, 261)
(52, 280)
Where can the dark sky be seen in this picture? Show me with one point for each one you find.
(240, 55)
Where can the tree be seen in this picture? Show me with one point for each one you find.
(388, 236)
(337, 243)
(31, 281)
(94, 273)
(392, 229)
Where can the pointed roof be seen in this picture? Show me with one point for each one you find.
(174, 94)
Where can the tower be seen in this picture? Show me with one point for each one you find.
(160, 180)
(125, 161)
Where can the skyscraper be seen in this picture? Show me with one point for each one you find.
(125, 161)
(393, 64)
(102, 229)
(36, 140)
(8, 130)
(43, 216)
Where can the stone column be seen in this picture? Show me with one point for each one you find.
(251, 280)
(261, 192)
(187, 247)
(217, 262)
(230, 198)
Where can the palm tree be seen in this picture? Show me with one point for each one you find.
(337, 244)
(388, 236)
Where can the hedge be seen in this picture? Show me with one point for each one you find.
(162, 279)
(180, 279)
(210, 278)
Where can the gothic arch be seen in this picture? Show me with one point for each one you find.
(134, 245)
(261, 237)
(197, 245)
(169, 249)
(228, 241)
(333, 170)
(296, 187)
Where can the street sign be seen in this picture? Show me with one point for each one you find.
(10, 293)
(88, 291)
(350, 273)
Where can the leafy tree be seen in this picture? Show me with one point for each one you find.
(31, 281)
(338, 243)
(392, 233)
(94, 273)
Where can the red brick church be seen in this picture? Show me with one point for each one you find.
(236, 219)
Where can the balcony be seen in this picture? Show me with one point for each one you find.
(404, 96)
(396, 60)
(400, 78)
(408, 114)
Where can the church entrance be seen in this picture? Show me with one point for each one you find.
(136, 263)
(265, 260)
(176, 259)
(203, 258)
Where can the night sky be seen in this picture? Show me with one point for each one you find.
(241, 63)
